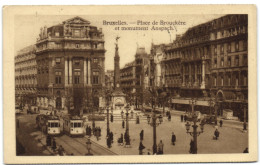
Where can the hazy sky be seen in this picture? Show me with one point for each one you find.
(27, 29)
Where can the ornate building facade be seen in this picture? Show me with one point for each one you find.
(209, 60)
(134, 77)
(26, 76)
(70, 65)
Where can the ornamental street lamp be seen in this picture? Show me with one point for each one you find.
(194, 133)
(154, 124)
(192, 102)
(127, 126)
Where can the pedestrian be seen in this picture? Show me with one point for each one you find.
(181, 118)
(160, 147)
(87, 130)
(123, 124)
(246, 150)
(54, 145)
(108, 142)
(137, 120)
(169, 117)
(112, 118)
(61, 150)
(111, 137)
(185, 118)
(173, 138)
(220, 123)
(142, 135)
(216, 133)
(48, 140)
(141, 147)
(90, 130)
(191, 147)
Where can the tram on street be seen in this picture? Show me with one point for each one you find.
(49, 124)
(73, 125)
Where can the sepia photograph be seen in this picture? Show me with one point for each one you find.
(122, 84)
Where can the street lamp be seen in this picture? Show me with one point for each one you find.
(154, 124)
(88, 146)
(127, 126)
(192, 102)
(244, 124)
(194, 133)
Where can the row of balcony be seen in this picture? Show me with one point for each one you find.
(26, 86)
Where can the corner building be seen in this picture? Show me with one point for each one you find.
(70, 65)
(26, 76)
(209, 60)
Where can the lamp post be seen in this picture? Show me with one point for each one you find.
(195, 133)
(127, 125)
(192, 102)
(88, 146)
(244, 124)
(154, 124)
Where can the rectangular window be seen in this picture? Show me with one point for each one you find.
(237, 60)
(229, 48)
(76, 77)
(95, 60)
(58, 60)
(229, 80)
(222, 62)
(245, 59)
(229, 61)
(244, 45)
(57, 77)
(57, 34)
(222, 81)
(76, 33)
(95, 77)
(215, 50)
(222, 49)
(237, 46)
(215, 63)
(77, 45)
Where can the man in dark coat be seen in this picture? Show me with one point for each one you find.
(181, 118)
(141, 147)
(142, 135)
(220, 123)
(112, 118)
(54, 145)
(216, 133)
(108, 142)
(185, 118)
(48, 140)
(173, 138)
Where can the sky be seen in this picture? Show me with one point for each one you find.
(27, 28)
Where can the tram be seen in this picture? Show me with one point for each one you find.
(73, 125)
(49, 124)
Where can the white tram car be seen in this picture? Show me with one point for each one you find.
(49, 124)
(73, 125)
